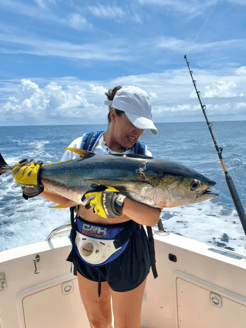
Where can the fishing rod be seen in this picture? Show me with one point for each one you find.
(231, 186)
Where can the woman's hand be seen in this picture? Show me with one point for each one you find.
(27, 174)
(107, 202)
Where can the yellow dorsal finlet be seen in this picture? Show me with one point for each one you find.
(80, 152)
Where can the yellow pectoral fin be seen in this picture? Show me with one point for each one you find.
(65, 205)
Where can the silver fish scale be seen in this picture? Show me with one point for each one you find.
(143, 179)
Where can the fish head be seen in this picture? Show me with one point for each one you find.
(180, 185)
(177, 191)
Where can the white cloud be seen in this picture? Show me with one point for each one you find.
(44, 3)
(228, 108)
(43, 13)
(219, 109)
(53, 102)
(114, 12)
(221, 89)
(180, 109)
(241, 70)
(105, 12)
(98, 89)
(178, 45)
(136, 18)
(109, 50)
(22, 9)
(153, 95)
(190, 7)
(172, 43)
(241, 105)
(29, 101)
(69, 98)
(77, 22)
(238, 2)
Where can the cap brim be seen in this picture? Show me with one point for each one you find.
(142, 123)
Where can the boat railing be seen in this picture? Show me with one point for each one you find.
(64, 229)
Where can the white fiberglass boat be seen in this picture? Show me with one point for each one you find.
(197, 286)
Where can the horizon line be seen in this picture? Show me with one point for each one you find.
(73, 124)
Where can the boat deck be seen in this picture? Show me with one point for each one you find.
(197, 286)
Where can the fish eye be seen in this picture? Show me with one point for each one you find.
(195, 184)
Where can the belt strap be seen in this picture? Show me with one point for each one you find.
(73, 225)
(125, 234)
(73, 231)
(99, 283)
(152, 251)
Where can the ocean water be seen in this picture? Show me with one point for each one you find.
(214, 222)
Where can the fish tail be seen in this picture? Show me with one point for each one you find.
(3, 165)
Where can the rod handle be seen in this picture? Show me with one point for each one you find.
(236, 200)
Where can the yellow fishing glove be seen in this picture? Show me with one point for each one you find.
(107, 202)
(27, 174)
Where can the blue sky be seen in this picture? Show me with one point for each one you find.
(59, 57)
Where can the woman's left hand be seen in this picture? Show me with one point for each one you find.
(107, 202)
(27, 173)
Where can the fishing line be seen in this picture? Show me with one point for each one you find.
(232, 170)
(203, 25)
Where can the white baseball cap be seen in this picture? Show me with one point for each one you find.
(136, 104)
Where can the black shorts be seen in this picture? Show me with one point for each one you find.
(124, 273)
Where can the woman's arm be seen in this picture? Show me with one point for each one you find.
(57, 199)
(141, 213)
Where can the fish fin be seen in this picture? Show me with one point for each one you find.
(3, 165)
(137, 156)
(80, 152)
(65, 205)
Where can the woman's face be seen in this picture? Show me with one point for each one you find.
(124, 132)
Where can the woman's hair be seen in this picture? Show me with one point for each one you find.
(110, 95)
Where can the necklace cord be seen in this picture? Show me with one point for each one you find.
(110, 150)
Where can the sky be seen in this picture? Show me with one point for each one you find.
(58, 58)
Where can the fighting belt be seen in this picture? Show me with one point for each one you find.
(99, 244)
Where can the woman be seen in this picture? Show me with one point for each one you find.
(123, 278)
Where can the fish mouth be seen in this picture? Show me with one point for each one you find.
(207, 194)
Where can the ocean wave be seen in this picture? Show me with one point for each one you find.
(209, 223)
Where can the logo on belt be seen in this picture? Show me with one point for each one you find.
(94, 231)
